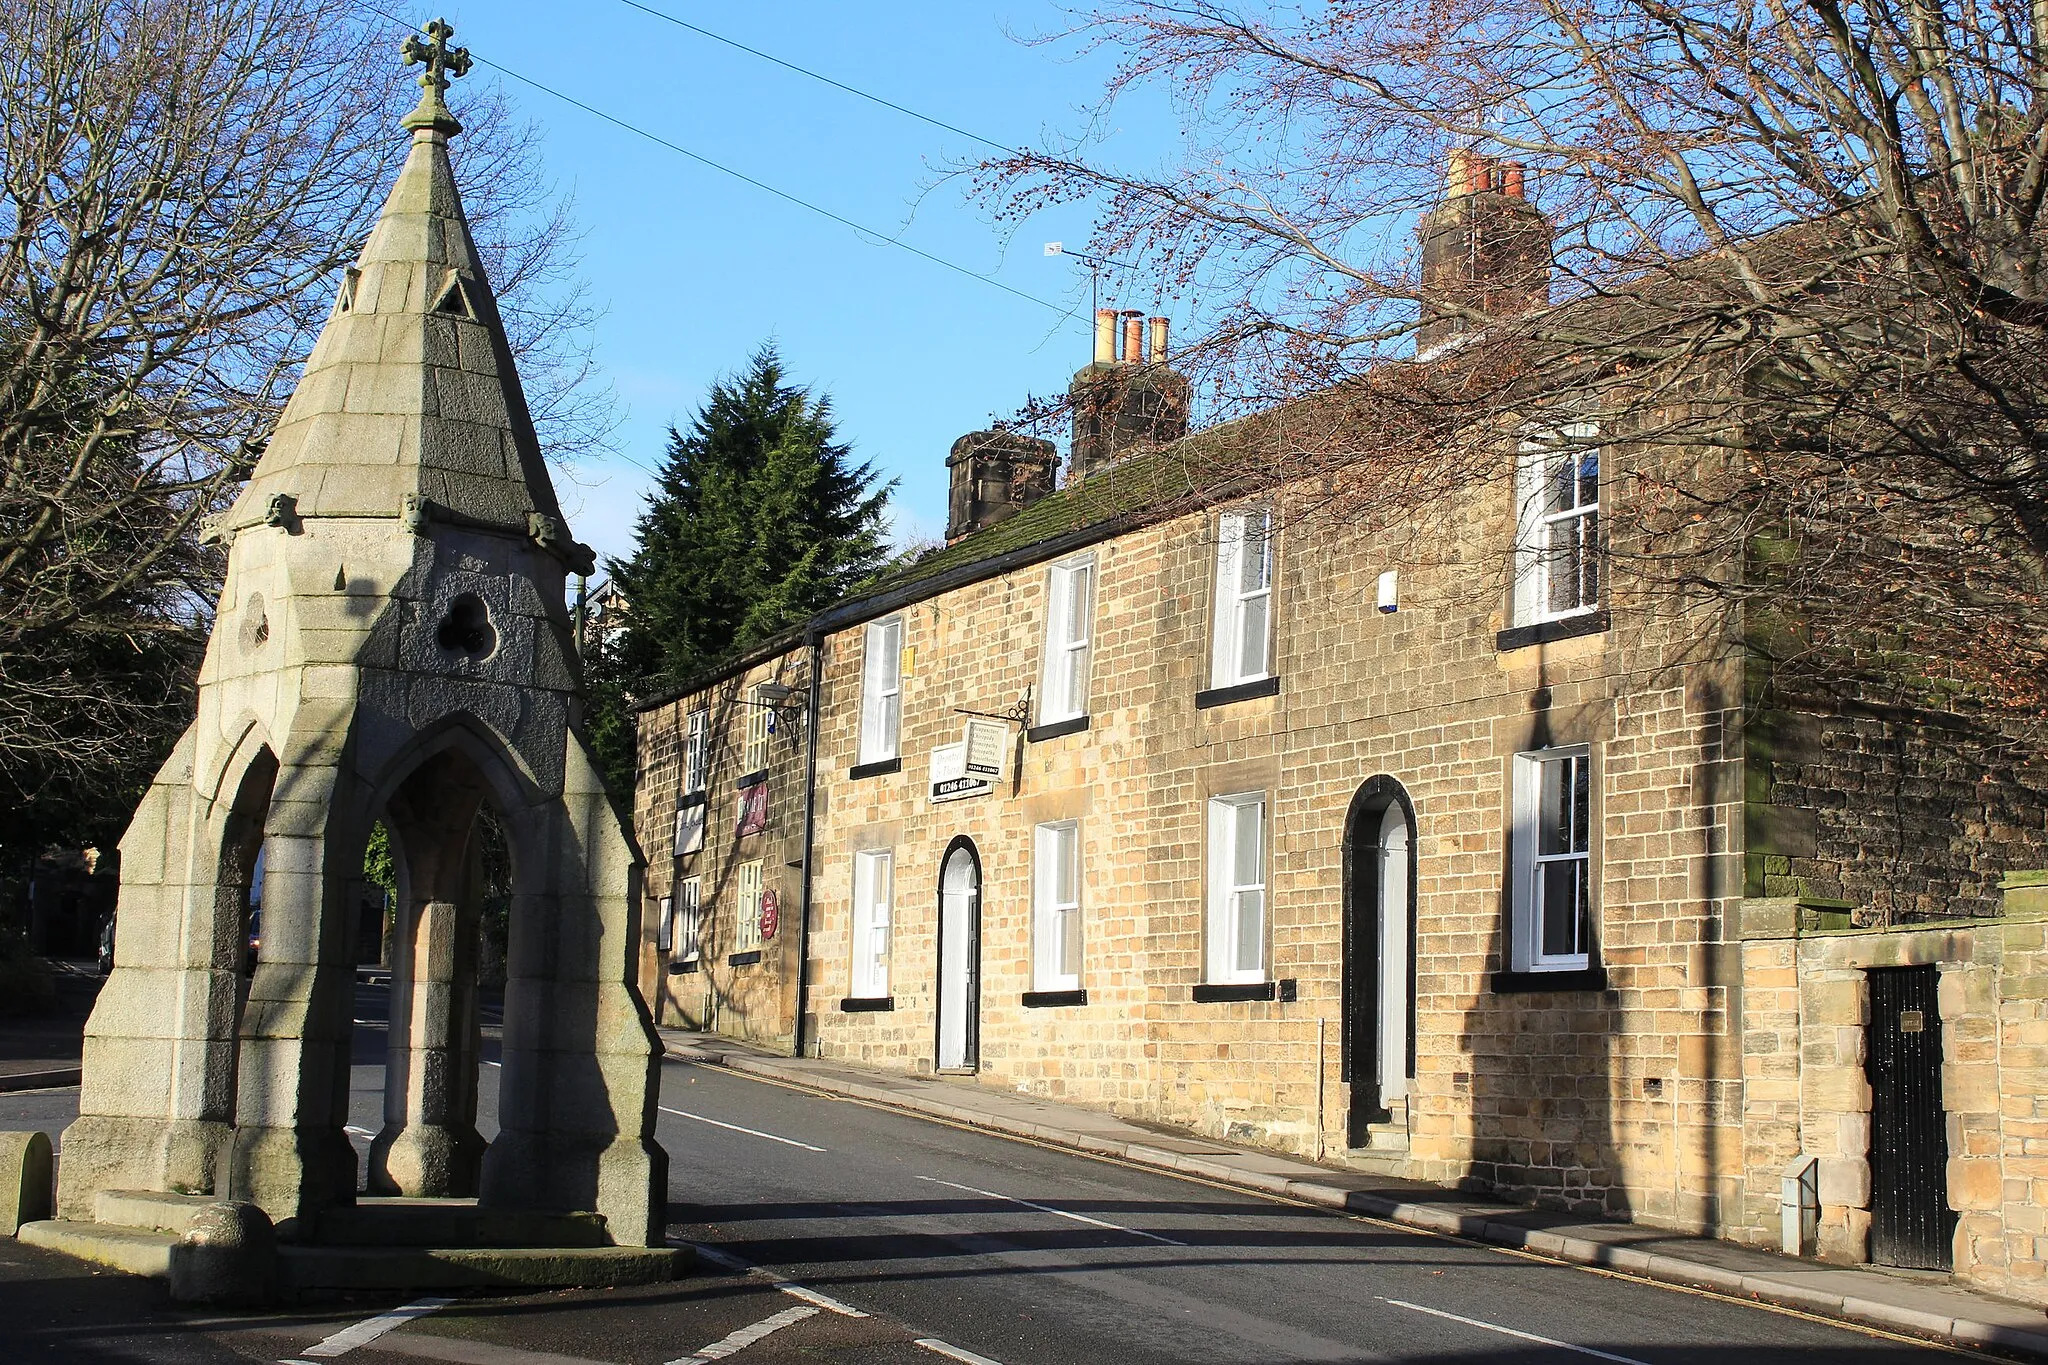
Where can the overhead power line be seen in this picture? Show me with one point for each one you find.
(820, 76)
(1066, 314)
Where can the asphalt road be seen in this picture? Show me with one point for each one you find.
(942, 1239)
(1031, 1256)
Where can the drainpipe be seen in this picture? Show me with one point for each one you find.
(803, 924)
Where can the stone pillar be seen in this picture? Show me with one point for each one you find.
(156, 1110)
(576, 1098)
(429, 1146)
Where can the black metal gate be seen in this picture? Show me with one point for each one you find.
(1910, 1221)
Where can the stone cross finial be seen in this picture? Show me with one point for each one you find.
(443, 64)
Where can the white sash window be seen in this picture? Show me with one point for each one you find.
(1557, 526)
(758, 714)
(687, 921)
(1553, 860)
(873, 889)
(696, 752)
(1056, 907)
(1242, 631)
(881, 690)
(747, 882)
(1237, 888)
(1070, 601)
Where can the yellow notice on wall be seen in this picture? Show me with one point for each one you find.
(909, 660)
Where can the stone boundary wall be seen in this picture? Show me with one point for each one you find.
(1807, 1012)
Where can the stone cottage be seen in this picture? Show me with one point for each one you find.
(1161, 793)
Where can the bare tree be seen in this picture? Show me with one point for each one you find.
(180, 182)
(1794, 255)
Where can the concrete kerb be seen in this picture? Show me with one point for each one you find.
(2016, 1334)
(39, 1080)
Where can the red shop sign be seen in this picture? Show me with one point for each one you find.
(753, 808)
(771, 914)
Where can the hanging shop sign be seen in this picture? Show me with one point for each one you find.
(753, 808)
(689, 826)
(951, 781)
(987, 748)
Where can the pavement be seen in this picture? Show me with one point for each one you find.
(1915, 1305)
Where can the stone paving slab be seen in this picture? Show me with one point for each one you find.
(1927, 1309)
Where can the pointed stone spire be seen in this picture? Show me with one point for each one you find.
(410, 406)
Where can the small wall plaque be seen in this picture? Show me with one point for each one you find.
(1912, 1021)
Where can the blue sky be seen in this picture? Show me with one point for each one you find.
(694, 270)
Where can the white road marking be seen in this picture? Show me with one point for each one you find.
(369, 1329)
(965, 1357)
(824, 1301)
(750, 1132)
(746, 1336)
(354, 1131)
(717, 1257)
(1511, 1332)
(787, 1286)
(1057, 1213)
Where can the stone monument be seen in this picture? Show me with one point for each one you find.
(391, 643)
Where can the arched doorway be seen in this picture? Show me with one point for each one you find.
(1379, 955)
(959, 1022)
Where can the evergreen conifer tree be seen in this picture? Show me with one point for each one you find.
(759, 519)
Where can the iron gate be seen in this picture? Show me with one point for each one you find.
(1910, 1221)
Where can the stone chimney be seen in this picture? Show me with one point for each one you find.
(1486, 248)
(1127, 398)
(994, 475)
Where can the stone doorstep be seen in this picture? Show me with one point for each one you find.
(1867, 1296)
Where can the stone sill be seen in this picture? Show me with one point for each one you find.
(1045, 1000)
(1549, 632)
(1073, 725)
(1245, 691)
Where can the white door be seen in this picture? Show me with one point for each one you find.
(1393, 993)
(959, 951)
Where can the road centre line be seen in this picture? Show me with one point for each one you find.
(746, 1336)
(965, 1357)
(369, 1329)
(1511, 1332)
(751, 1132)
(1057, 1213)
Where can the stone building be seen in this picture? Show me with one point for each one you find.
(1160, 795)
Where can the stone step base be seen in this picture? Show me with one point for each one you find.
(400, 1222)
(138, 1251)
(305, 1271)
(323, 1269)
(1385, 1137)
(149, 1210)
(1364, 1159)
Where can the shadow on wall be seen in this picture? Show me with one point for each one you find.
(1543, 1070)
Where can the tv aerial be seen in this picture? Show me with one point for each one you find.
(1095, 265)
